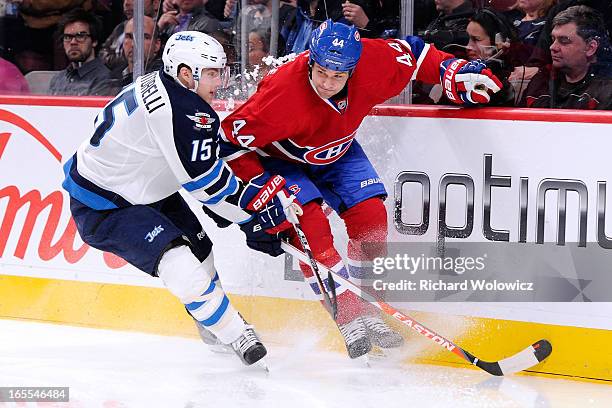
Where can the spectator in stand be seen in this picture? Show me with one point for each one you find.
(11, 79)
(258, 15)
(576, 80)
(449, 27)
(30, 36)
(492, 39)
(448, 33)
(424, 13)
(373, 19)
(111, 51)
(309, 14)
(188, 15)
(152, 46)
(259, 48)
(541, 53)
(230, 8)
(220, 9)
(85, 74)
(529, 16)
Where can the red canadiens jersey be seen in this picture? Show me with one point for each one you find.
(287, 119)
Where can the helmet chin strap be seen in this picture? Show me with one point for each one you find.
(196, 78)
(195, 86)
(195, 82)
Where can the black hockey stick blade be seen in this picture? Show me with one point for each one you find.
(521, 361)
(329, 293)
(334, 299)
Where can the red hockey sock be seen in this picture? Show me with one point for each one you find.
(366, 224)
(317, 231)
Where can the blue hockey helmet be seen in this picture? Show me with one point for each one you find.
(335, 46)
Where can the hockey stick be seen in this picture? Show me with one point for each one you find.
(522, 360)
(291, 214)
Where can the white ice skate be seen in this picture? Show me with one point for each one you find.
(248, 347)
(380, 334)
(356, 338)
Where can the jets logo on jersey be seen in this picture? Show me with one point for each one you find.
(330, 152)
(156, 231)
(202, 120)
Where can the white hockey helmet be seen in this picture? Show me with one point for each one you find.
(196, 50)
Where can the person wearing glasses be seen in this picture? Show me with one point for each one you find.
(85, 74)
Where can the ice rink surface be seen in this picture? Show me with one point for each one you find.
(112, 369)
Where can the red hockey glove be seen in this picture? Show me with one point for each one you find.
(261, 196)
(468, 82)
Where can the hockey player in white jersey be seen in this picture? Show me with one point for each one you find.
(158, 135)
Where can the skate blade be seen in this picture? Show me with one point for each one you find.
(263, 364)
(362, 361)
(379, 353)
(221, 348)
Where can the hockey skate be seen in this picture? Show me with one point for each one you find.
(248, 347)
(380, 334)
(356, 338)
(213, 343)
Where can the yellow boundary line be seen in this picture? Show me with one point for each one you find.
(578, 353)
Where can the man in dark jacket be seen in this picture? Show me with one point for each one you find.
(450, 25)
(188, 15)
(152, 46)
(541, 53)
(85, 74)
(111, 51)
(576, 79)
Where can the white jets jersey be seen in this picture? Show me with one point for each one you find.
(152, 139)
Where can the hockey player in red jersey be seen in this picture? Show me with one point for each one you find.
(296, 135)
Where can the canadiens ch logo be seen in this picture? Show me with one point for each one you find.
(202, 120)
(330, 152)
(294, 188)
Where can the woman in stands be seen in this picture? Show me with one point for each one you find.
(493, 38)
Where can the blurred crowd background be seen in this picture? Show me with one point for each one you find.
(548, 53)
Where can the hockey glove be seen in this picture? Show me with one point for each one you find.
(468, 82)
(260, 240)
(261, 197)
